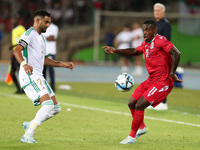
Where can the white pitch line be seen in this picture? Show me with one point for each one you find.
(127, 114)
(108, 111)
(14, 96)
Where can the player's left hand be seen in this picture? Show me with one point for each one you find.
(69, 65)
(109, 49)
(176, 79)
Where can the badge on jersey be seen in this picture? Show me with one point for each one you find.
(147, 53)
(152, 45)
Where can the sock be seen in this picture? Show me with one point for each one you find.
(42, 114)
(142, 125)
(32, 128)
(137, 120)
(55, 111)
(132, 112)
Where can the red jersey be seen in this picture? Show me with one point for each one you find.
(157, 58)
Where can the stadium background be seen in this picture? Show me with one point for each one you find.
(83, 24)
(99, 117)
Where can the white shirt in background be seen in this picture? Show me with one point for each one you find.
(124, 39)
(51, 45)
(137, 33)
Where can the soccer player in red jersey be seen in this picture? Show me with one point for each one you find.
(162, 59)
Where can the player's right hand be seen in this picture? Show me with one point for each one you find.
(176, 79)
(108, 49)
(28, 69)
(69, 65)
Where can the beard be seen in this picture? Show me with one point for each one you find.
(43, 30)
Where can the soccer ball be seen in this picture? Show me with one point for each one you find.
(124, 82)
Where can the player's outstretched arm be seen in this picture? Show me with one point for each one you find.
(109, 49)
(54, 63)
(176, 54)
(128, 51)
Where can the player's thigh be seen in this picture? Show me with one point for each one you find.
(131, 103)
(157, 92)
(38, 91)
(140, 90)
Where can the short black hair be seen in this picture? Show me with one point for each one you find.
(42, 13)
(152, 22)
(127, 26)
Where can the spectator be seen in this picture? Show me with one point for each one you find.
(137, 39)
(163, 28)
(123, 41)
(17, 31)
(51, 36)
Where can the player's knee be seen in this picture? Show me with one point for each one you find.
(141, 104)
(131, 103)
(138, 106)
(49, 104)
(57, 109)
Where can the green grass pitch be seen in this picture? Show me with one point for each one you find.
(99, 119)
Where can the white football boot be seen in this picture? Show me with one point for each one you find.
(143, 131)
(28, 139)
(128, 140)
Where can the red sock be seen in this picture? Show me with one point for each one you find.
(137, 120)
(142, 125)
(132, 112)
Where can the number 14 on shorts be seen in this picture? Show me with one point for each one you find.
(154, 89)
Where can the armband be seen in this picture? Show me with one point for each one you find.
(22, 43)
(23, 63)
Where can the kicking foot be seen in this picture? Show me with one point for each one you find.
(128, 140)
(28, 139)
(143, 131)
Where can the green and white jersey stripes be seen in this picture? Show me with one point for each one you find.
(35, 51)
(35, 87)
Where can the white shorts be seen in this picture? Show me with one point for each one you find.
(37, 88)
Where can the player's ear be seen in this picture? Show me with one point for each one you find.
(37, 19)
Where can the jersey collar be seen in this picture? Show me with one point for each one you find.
(153, 38)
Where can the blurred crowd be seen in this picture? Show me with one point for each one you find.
(70, 12)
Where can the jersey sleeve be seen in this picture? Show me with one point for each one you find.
(24, 40)
(165, 44)
(140, 48)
